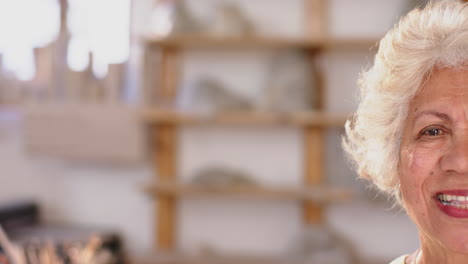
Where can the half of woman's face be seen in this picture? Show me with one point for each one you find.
(434, 160)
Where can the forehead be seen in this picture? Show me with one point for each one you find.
(444, 84)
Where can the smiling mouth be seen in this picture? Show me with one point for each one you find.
(458, 201)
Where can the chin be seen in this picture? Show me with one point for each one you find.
(455, 240)
(447, 231)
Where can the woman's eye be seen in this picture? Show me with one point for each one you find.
(432, 132)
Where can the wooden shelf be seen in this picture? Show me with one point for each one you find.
(231, 42)
(318, 194)
(318, 119)
(352, 43)
(165, 258)
(208, 42)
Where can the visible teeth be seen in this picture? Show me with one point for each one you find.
(453, 200)
(448, 197)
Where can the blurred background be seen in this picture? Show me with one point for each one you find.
(196, 131)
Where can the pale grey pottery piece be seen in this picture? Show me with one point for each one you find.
(172, 18)
(230, 20)
(290, 85)
(217, 176)
(209, 96)
(317, 244)
(411, 4)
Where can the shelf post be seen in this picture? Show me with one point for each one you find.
(168, 75)
(165, 164)
(165, 137)
(316, 19)
(313, 163)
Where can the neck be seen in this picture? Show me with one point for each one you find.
(433, 252)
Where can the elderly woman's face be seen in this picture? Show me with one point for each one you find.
(434, 160)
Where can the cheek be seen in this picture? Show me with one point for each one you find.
(418, 162)
(417, 165)
(422, 162)
(416, 170)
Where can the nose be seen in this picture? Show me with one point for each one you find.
(456, 157)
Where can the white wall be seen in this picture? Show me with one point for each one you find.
(111, 196)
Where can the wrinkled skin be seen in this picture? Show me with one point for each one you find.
(434, 157)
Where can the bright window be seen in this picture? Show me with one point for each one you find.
(99, 27)
(25, 25)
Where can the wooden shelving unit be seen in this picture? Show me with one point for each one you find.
(313, 194)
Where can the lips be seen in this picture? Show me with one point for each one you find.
(453, 203)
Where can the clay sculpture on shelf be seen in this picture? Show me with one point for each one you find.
(170, 18)
(317, 244)
(230, 20)
(412, 4)
(290, 84)
(209, 96)
(222, 177)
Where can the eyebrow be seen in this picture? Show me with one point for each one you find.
(434, 113)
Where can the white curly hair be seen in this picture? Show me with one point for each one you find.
(435, 36)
